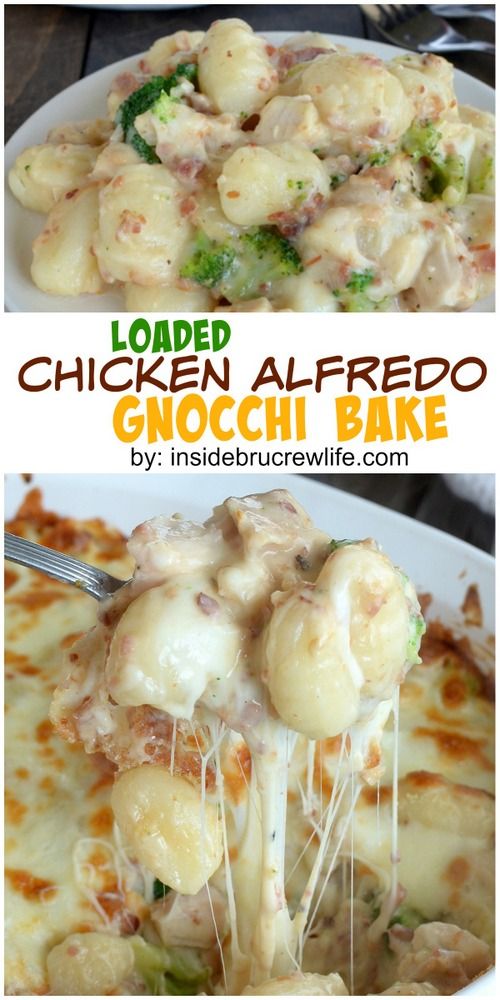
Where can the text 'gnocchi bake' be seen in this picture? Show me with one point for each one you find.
(230, 173)
(224, 814)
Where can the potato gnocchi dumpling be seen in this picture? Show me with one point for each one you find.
(142, 231)
(63, 259)
(230, 164)
(167, 827)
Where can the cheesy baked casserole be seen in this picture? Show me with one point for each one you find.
(261, 787)
(229, 173)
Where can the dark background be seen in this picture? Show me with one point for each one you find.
(425, 497)
(49, 46)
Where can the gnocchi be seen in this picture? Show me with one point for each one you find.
(91, 964)
(168, 827)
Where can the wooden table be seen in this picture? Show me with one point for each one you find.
(48, 46)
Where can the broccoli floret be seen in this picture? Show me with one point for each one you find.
(380, 159)
(144, 99)
(340, 543)
(421, 140)
(168, 971)
(447, 180)
(482, 178)
(210, 262)
(336, 180)
(359, 280)
(164, 108)
(244, 266)
(445, 175)
(159, 889)
(416, 631)
(408, 917)
(353, 297)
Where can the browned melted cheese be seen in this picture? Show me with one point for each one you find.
(56, 795)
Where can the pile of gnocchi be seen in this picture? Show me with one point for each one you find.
(233, 174)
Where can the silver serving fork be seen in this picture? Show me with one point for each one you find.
(413, 26)
(92, 581)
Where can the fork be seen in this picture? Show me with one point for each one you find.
(413, 26)
(463, 10)
(95, 582)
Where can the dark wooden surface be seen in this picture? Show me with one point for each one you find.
(49, 46)
(424, 497)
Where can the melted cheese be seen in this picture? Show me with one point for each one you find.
(63, 871)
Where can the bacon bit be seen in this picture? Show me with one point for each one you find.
(130, 223)
(30, 886)
(233, 194)
(292, 223)
(289, 58)
(207, 604)
(402, 933)
(471, 607)
(428, 224)
(187, 168)
(125, 84)
(480, 246)
(264, 84)
(44, 731)
(371, 60)
(250, 124)
(188, 206)
(270, 50)
(314, 260)
(421, 89)
(144, 67)
(486, 261)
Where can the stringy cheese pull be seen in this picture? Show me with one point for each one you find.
(90, 964)
(169, 644)
(167, 827)
(334, 645)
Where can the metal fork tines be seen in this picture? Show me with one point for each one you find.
(461, 10)
(95, 582)
(413, 26)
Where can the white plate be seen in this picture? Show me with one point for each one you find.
(87, 99)
(436, 562)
